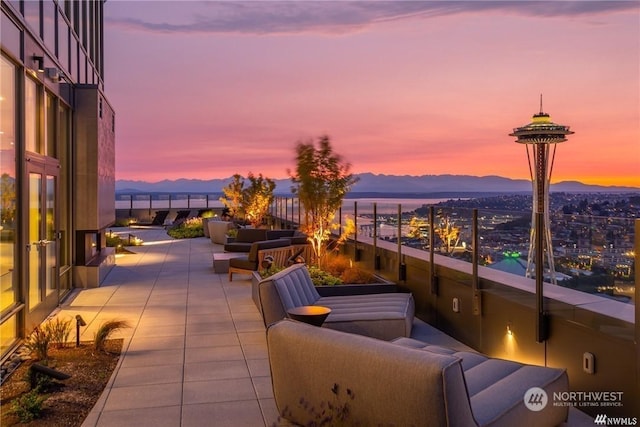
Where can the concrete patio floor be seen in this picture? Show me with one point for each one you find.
(196, 352)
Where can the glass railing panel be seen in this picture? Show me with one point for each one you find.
(123, 201)
(387, 222)
(140, 201)
(162, 201)
(453, 232)
(503, 239)
(595, 255)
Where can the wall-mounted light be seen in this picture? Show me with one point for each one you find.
(39, 62)
(53, 74)
(509, 330)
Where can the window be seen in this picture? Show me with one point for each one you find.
(50, 126)
(49, 13)
(63, 43)
(31, 137)
(8, 205)
(32, 15)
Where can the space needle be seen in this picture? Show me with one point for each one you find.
(540, 138)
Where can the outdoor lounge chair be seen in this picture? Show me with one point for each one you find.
(384, 316)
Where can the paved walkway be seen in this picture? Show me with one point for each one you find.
(195, 354)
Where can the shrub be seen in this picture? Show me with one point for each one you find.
(337, 264)
(343, 268)
(190, 228)
(105, 330)
(38, 342)
(320, 277)
(113, 240)
(357, 276)
(59, 331)
(124, 222)
(28, 406)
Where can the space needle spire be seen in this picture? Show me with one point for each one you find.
(540, 138)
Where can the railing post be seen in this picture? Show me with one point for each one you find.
(541, 316)
(376, 257)
(637, 298)
(475, 282)
(402, 268)
(433, 280)
(356, 254)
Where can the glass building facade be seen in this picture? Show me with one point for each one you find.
(56, 156)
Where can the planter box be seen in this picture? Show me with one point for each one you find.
(382, 287)
(357, 289)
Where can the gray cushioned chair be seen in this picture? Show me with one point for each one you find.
(384, 316)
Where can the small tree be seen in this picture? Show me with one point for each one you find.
(256, 198)
(233, 195)
(321, 181)
(448, 232)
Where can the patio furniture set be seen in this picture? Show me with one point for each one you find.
(363, 358)
(248, 251)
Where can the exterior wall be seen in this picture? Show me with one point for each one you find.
(66, 39)
(95, 160)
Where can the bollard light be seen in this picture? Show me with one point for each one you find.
(79, 322)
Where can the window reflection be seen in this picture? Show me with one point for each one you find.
(7, 186)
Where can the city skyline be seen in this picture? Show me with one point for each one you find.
(404, 88)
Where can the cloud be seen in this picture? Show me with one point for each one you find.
(330, 17)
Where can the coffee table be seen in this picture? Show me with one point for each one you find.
(311, 314)
(221, 260)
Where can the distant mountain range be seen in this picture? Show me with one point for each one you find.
(370, 185)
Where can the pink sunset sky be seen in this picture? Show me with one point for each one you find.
(208, 89)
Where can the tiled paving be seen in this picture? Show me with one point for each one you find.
(196, 353)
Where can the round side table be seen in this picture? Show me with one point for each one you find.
(311, 314)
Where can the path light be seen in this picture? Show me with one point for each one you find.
(79, 322)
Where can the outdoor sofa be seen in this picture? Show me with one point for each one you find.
(279, 251)
(245, 238)
(397, 383)
(384, 316)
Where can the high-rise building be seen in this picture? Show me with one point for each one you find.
(541, 137)
(57, 138)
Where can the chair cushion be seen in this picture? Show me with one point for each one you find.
(238, 247)
(295, 287)
(250, 235)
(496, 387)
(277, 234)
(383, 316)
(243, 263)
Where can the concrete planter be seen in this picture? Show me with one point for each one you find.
(205, 227)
